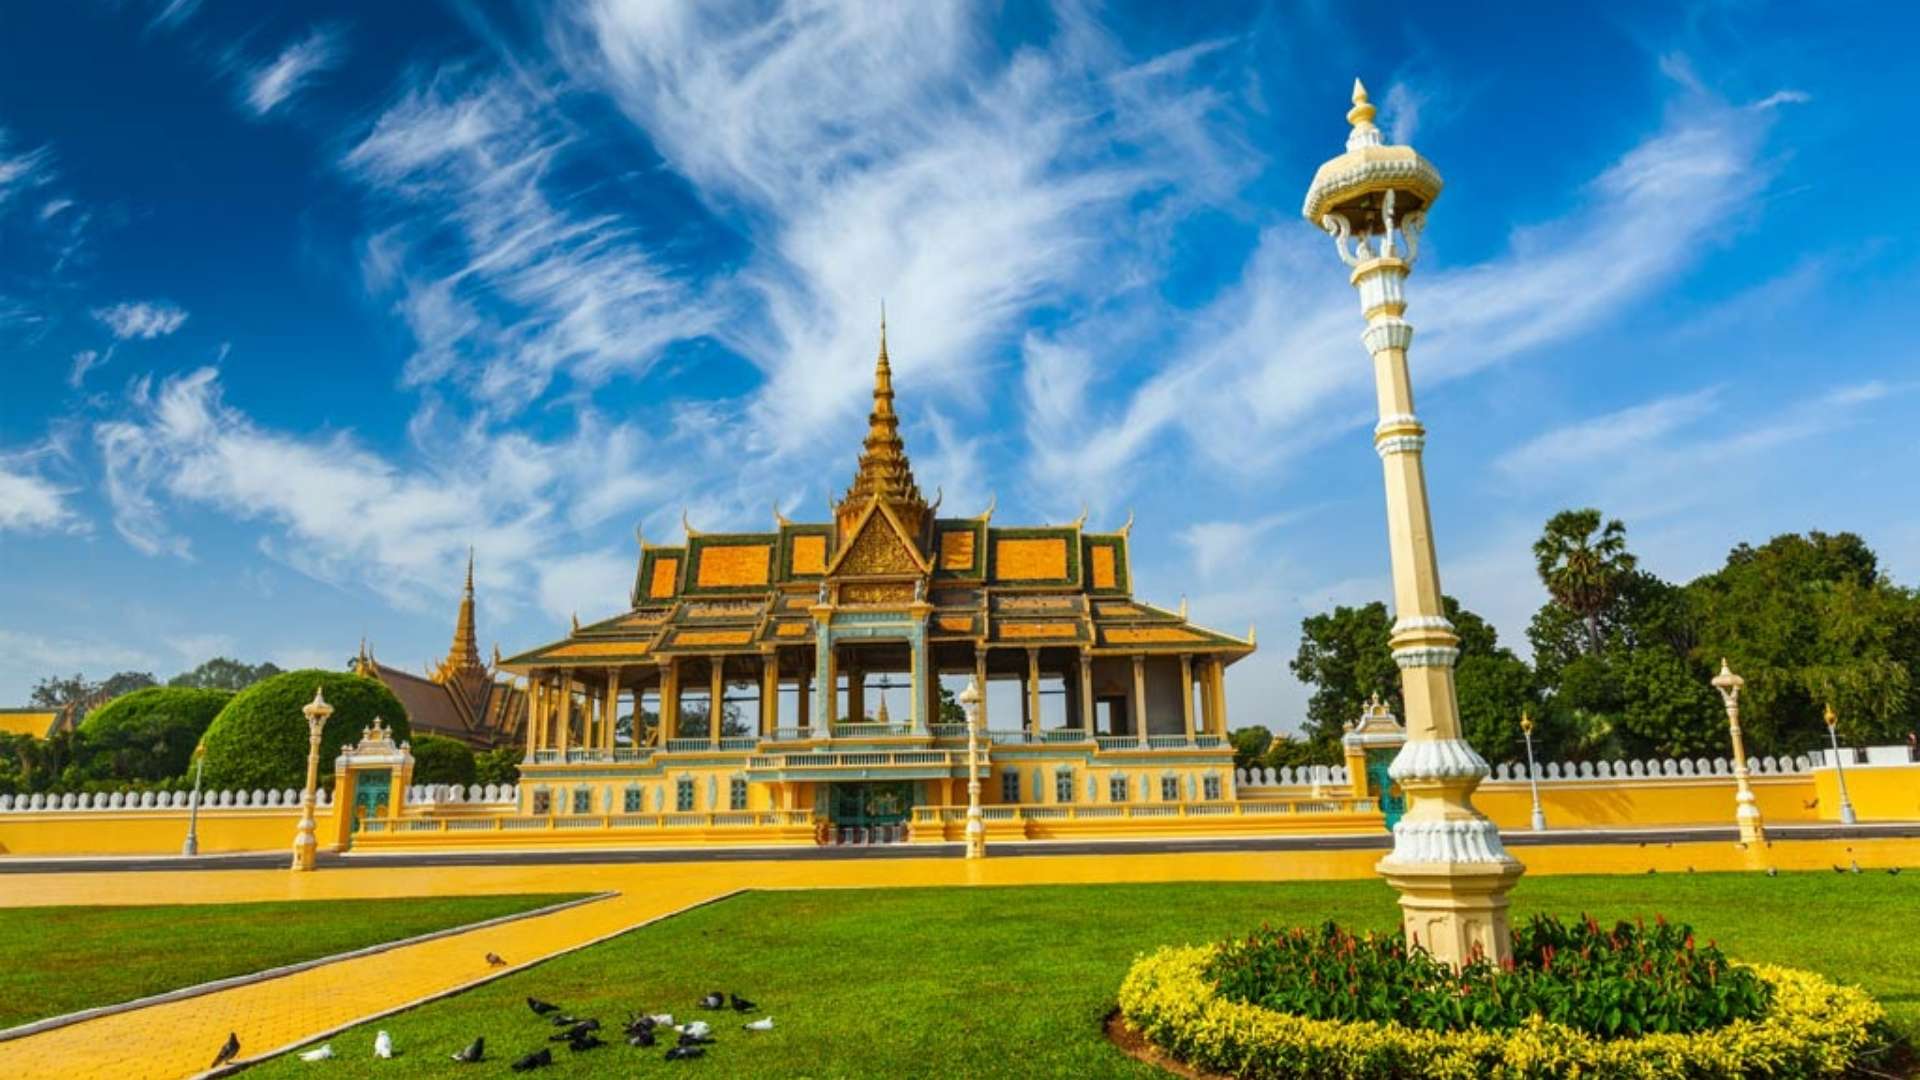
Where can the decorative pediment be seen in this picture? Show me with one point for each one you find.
(880, 547)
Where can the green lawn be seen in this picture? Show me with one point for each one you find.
(1014, 981)
(56, 960)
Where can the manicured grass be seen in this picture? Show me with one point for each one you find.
(1015, 981)
(57, 960)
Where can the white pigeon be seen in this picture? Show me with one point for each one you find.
(662, 1019)
(763, 1024)
(323, 1053)
(699, 1029)
(383, 1045)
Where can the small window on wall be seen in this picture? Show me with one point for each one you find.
(1063, 786)
(683, 794)
(632, 803)
(737, 794)
(1117, 789)
(1010, 786)
(582, 800)
(1169, 789)
(543, 802)
(1210, 787)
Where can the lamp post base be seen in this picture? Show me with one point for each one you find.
(1539, 822)
(1456, 911)
(304, 847)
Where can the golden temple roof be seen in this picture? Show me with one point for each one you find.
(884, 474)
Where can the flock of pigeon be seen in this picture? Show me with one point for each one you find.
(687, 1041)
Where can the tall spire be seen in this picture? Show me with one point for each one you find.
(884, 472)
(464, 653)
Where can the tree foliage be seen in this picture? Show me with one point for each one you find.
(222, 673)
(500, 765)
(148, 734)
(259, 740)
(440, 760)
(1583, 561)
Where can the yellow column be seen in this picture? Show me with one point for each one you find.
(1033, 694)
(715, 700)
(533, 713)
(803, 718)
(769, 693)
(613, 709)
(1220, 697)
(856, 692)
(980, 679)
(1139, 696)
(1086, 694)
(565, 733)
(1186, 695)
(669, 699)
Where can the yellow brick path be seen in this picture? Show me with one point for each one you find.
(179, 1038)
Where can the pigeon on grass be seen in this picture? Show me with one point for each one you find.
(742, 1005)
(321, 1053)
(541, 1008)
(765, 1023)
(715, 1000)
(538, 1059)
(383, 1045)
(475, 1051)
(685, 1053)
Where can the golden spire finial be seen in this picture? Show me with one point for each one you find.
(1361, 115)
(464, 653)
(884, 471)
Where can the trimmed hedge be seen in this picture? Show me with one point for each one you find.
(260, 739)
(148, 734)
(440, 760)
(1812, 1027)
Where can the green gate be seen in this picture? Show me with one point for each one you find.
(370, 793)
(1388, 796)
(872, 804)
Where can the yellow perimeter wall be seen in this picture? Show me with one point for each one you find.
(150, 832)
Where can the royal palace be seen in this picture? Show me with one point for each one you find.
(763, 666)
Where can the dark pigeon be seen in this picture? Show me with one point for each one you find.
(576, 1031)
(495, 960)
(538, 1059)
(564, 1020)
(640, 1037)
(715, 1000)
(541, 1008)
(688, 1038)
(742, 1005)
(475, 1051)
(227, 1050)
(684, 1053)
(587, 1040)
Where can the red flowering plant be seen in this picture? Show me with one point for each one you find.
(1626, 980)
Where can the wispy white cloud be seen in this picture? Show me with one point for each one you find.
(141, 319)
(84, 361)
(30, 499)
(22, 169)
(1783, 97)
(1607, 437)
(172, 13)
(267, 86)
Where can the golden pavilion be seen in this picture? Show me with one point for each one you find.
(751, 672)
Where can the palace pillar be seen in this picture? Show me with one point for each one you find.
(769, 693)
(716, 700)
(856, 692)
(566, 711)
(1186, 695)
(1087, 705)
(980, 680)
(613, 709)
(803, 698)
(918, 677)
(1033, 694)
(1139, 697)
(669, 700)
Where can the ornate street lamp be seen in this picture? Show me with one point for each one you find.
(1447, 862)
(1746, 812)
(1839, 768)
(192, 846)
(316, 712)
(1539, 822)
(976, 827)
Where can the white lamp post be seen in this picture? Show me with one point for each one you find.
(1839, 768)
(316, 712)
(1746, 811)
(1447, 862)
(192, 846)
(1539, 821)
(976, 826)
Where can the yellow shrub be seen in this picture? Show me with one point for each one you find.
(1814, 1028)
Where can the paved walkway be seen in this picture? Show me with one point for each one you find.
(178, 1038)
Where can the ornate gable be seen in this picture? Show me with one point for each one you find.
(879, 547)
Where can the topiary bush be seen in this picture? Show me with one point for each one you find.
(500, 765)
(259, 740)
(147, 735)
(440, 760)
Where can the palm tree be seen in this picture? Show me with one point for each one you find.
(1583, 563)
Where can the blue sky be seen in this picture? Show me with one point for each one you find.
(296, 303)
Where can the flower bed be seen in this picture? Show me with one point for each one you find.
(1203, 1004)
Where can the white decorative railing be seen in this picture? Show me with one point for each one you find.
(455, 795)
(156, 800)
(1651, 769)
(1288, 776)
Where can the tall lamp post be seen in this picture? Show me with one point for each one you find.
(1839, 768)
(976, 827)
(316, 712)
(1539, 822)
(1746, 811)
(1447, 861)
(192, 846)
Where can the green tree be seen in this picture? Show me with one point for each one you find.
(259, 740)
(1288, 752)
(148, 735)
(950, 710)
(1493, 689)
(1583, 563)
(1249, 745)
(500, 765)
(440, 760)
(1668, 707)
(222, 673)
